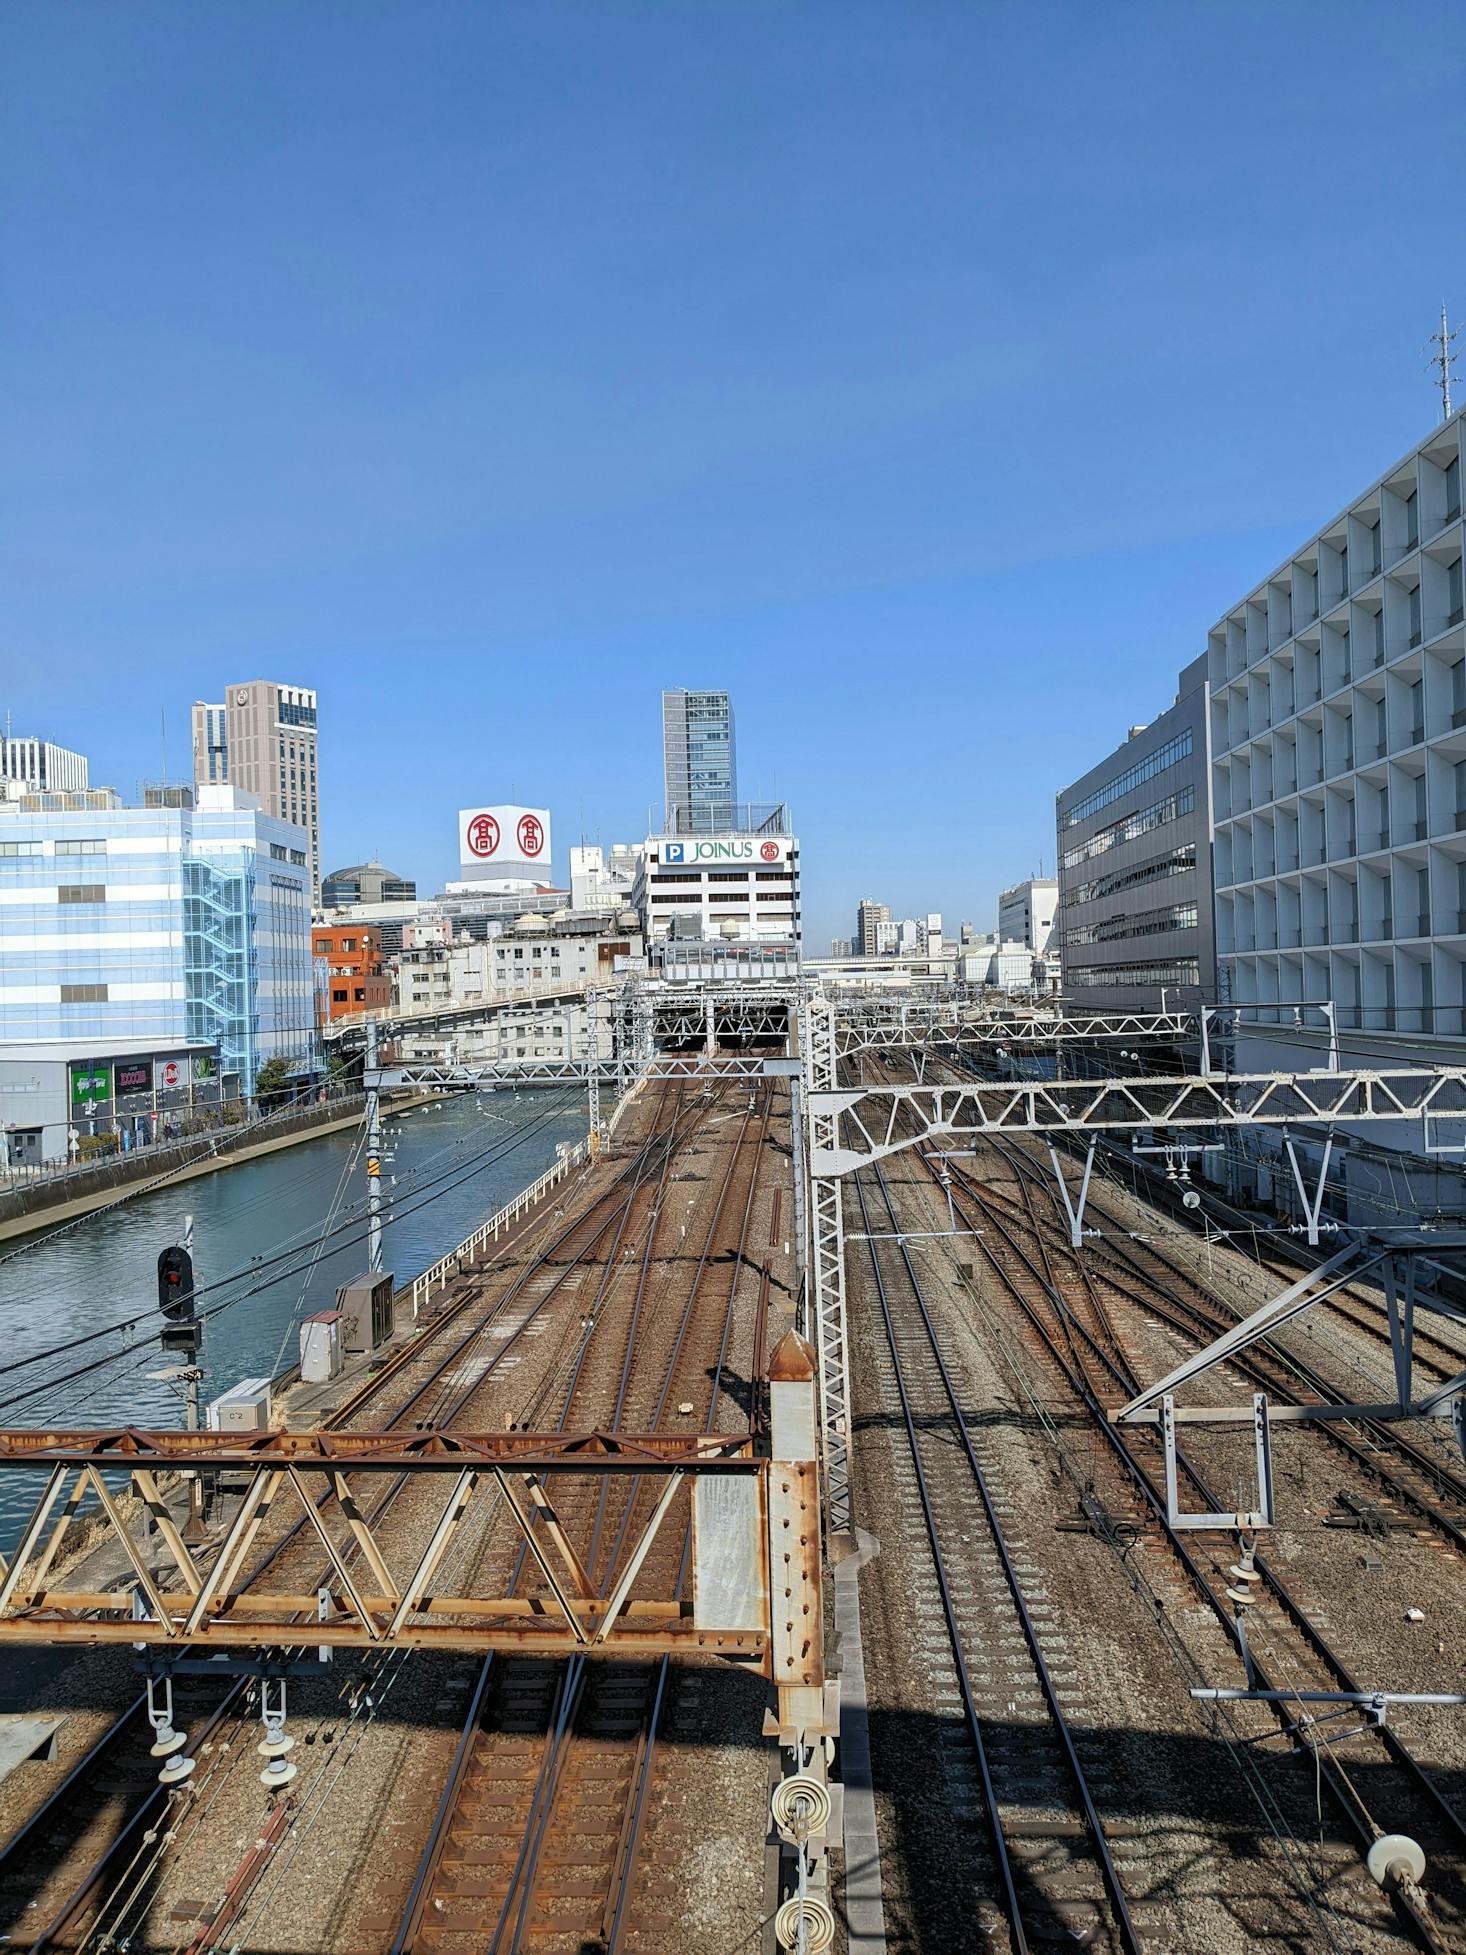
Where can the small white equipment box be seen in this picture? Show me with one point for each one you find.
(244, 1408)
(320, 1347)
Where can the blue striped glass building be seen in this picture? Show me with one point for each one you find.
(171, 925)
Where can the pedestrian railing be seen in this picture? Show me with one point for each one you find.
(447, 1267)
(165, 1154)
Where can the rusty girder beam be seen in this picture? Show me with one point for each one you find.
(545, 1638)
(383, 1585)
(356, 1452)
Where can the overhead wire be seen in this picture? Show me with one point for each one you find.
(494, 1151)
(454, 1179)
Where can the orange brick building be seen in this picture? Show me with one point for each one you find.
(352, 979)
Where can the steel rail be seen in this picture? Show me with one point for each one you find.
(624, 1869)
(413, 1917)
(1263, 1363)
(1129, 1936)
(1361, 1823)
(660, 1144)
(1284, 1259)
(525, 1876)
(1119, 1370)
(613, 1928)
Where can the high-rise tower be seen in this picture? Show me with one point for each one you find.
(262, 738)
(698, 762)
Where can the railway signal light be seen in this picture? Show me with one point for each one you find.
(175, 1300)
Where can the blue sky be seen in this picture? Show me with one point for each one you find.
(931, 375)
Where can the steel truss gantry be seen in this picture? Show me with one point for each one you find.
(818, 1028)
(852, 1127)
(867, 1123)
(883, 1025)
(382, 1588)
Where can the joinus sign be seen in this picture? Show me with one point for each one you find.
(734, 849)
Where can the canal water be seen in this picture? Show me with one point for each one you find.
(259, 1260)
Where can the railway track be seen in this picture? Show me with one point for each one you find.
(1051, 1859)
(430, 1381)
(1065, 1319)
(1143, 1277)
(536, 1844)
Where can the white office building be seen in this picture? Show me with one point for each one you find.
(603, 879)
(741, 886)
(30, 766)
(1026, 912)
(535, 954)
(1338, 732)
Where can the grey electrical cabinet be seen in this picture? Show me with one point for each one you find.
(365, 1304)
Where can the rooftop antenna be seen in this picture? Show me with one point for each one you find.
(1443, 361)
(163, 741)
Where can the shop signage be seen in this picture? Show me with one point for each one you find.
(737, 848)
(90, 1086)
(135, 1076)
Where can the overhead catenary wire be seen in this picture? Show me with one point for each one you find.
(488, 1156)
(345, 1239)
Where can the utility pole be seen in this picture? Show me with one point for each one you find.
(370, 1077)
(1443, 361)
(193, 1532)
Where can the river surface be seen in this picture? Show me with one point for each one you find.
(446, 1167)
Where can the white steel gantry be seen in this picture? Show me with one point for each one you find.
(817, 1039)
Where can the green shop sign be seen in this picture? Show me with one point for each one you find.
(203, 1066)
(90, 1083)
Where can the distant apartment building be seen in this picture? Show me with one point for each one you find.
(699, 763)
(869, 916)
(576, 953)
(262, 738)
(1134, 916)
(995, 964)
(366, 882)
(602, 879)
(354, 978)
(158, 927)
(31, 766)
(1026, 913)
(840, 946)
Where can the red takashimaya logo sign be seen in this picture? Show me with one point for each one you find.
(483, 835)
(531, 833)
(770, 851)
(504, 834)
